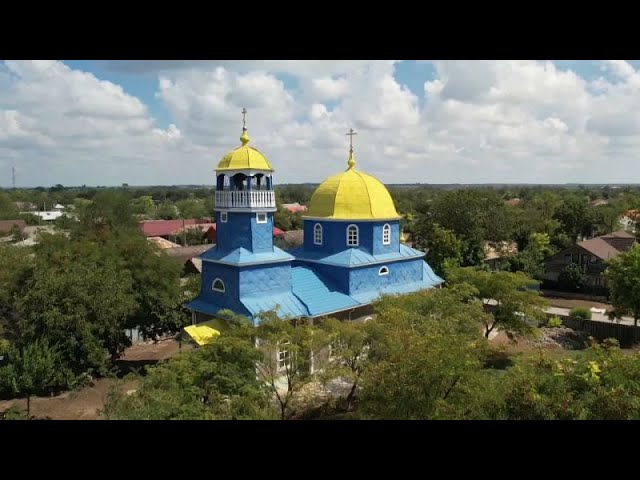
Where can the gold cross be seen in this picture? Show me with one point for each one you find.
(244, 118)
(351, 133)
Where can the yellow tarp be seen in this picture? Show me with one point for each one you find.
(206, 332)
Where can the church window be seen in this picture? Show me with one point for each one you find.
(352, 236)
(224, 216)
(218, 285)
(386, 234)
(317, 234)
(261, 217)
(383, 271)
(283, 355)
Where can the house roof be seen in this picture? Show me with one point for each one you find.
(620, 240)
(159, 228)
(599, 201)
(513, 202)
(162, 242)
(186, 253)
(600, 248)
(494, 251)
(294, 207)
(294, 238)
(7, 225)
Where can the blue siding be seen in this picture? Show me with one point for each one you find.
(367, 278)
(243, 231)
(265, 279)
(378, 246)
(335, 236)
(229, 275)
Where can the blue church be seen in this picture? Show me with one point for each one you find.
(350, 256)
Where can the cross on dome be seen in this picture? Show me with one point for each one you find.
(244, 138)
(352, 160)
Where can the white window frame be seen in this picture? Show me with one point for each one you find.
(283, 355)
(357, 236)
(213, 286)
(386, 234)
(383, 271)
(318, 234)
(258, 217)
(224, 217)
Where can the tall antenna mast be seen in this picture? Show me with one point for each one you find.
(13, 176)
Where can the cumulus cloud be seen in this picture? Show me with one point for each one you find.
(473, 121)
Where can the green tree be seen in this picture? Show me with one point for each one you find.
(29, 370)
(16, 268)
(79, 300)
(192, 208)
(600, 384)
(216, 381)
(282, 219)
(286, 357)
(348, 343)
(144, 205)
(426, 349)
(531, 260)
(623, 275)
(572, 278)
(444, 249)
(167, 210)
(508, 295)
(474, 215)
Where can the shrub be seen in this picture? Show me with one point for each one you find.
(555, 322)
(580, 312)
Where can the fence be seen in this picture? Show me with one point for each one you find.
(603, 330)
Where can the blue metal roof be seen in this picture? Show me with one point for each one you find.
(286, 305)
(354, 257)
(207, 307)
(429, 280)
(242, 256)
(315, 293)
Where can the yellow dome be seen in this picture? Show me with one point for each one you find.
(352, 195)
(244, 158)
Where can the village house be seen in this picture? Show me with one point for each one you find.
(497, 253)
(294, 207)
(592, 255)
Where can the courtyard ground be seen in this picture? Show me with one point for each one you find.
(86, 403)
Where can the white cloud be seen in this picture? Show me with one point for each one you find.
(475, 121)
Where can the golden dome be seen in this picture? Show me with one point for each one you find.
(352, 195)
(244, 157)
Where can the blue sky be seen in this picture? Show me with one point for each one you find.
(166, 122)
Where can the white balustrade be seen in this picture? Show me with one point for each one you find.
(246, 199)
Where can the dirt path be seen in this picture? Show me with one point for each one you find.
(85, 404)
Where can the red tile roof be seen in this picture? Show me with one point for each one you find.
(159, 228)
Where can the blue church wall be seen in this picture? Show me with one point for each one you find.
(334, 236)
(265, 279)
(378, 246)
(368, 278)
(242, 230)
(229, 275)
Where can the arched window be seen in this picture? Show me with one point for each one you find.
(352, 236)
(383, 271)
(386, 234)
(218, 285)
(317, 234)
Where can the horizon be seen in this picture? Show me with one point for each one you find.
(163, 122)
